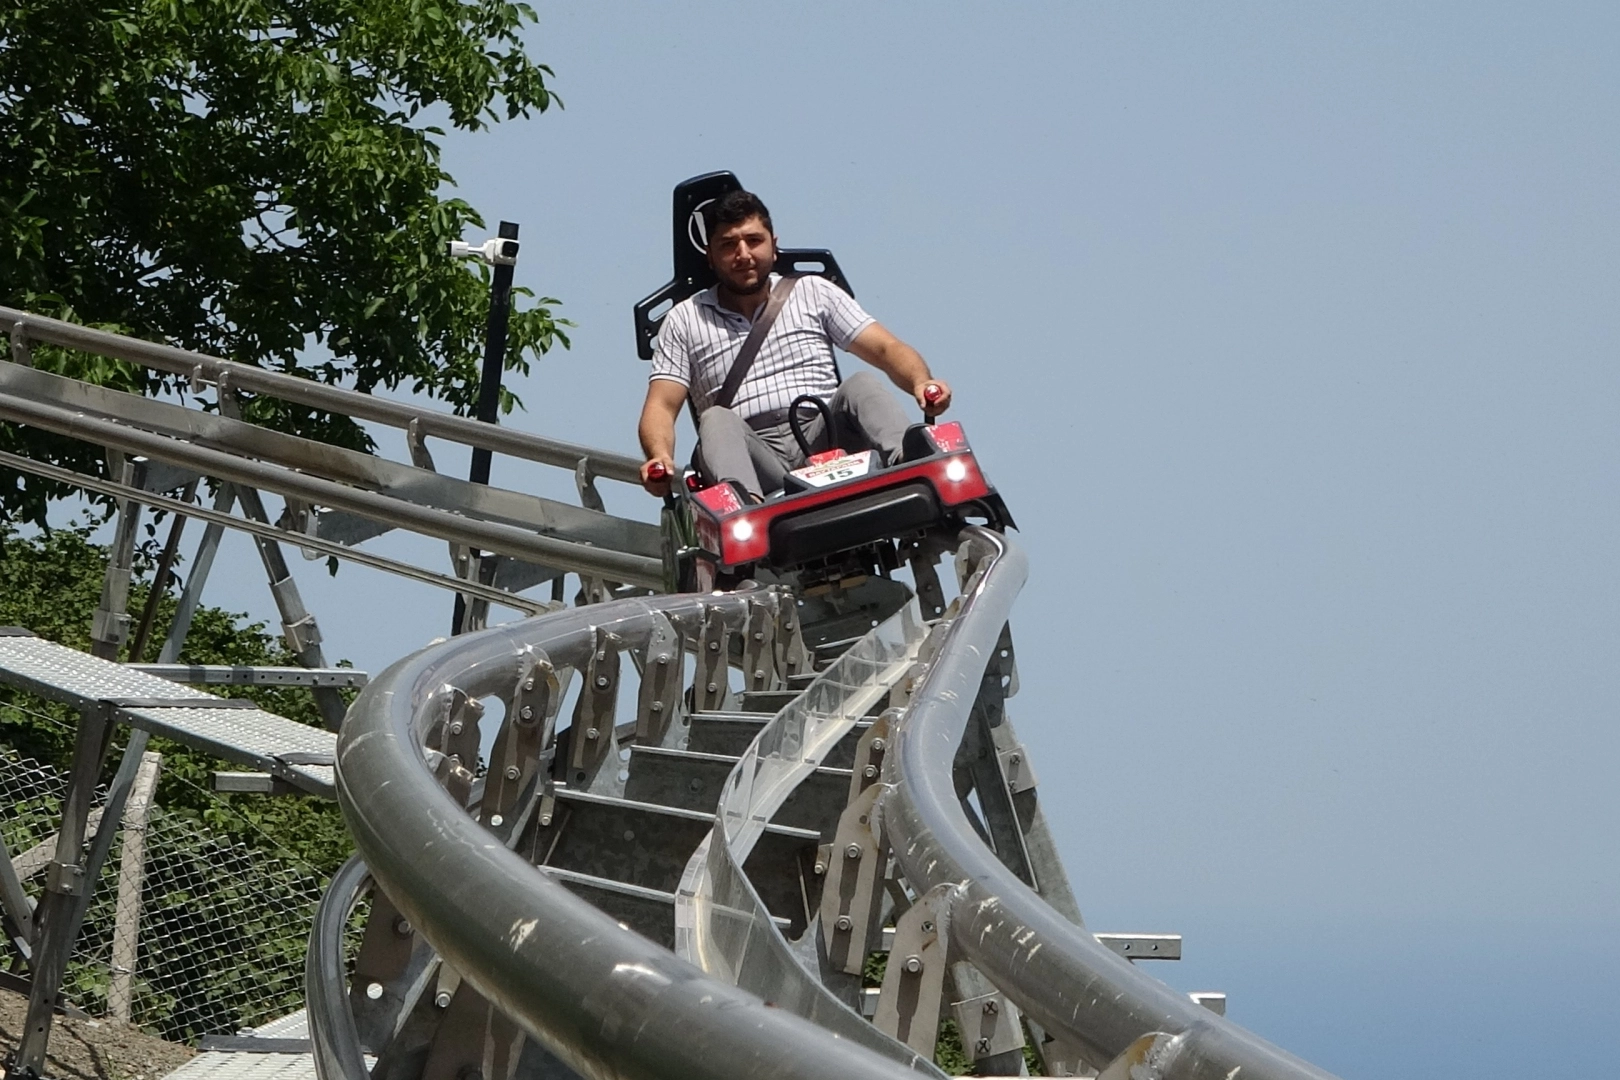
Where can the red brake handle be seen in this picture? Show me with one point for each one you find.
(931, 395)
(657, 471)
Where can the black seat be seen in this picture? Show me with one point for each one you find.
(692, 272)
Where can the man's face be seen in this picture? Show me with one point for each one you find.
(742, 256)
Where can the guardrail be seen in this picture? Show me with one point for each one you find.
(25, 327)
(487, 535)
(1073, 985)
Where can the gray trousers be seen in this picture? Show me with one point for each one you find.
(867, 416)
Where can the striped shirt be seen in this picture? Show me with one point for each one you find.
(699, 340)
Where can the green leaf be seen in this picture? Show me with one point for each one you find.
(248, 181)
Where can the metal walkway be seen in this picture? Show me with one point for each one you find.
(230, 728)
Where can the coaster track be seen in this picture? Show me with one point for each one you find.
(751, 988)
(777, 835)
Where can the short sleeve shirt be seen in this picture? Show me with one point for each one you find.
(699, 340)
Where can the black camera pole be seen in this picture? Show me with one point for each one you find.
(489, 389)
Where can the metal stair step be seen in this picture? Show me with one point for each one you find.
(829, 651)
(774, 701)
(648, 846)
(730, 733)
(766, 701)
(693, 780)
(649, 912)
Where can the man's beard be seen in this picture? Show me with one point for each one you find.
(731, 286)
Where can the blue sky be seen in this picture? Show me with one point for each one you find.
(1289, 333)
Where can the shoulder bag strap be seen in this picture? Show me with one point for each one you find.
(755, 338)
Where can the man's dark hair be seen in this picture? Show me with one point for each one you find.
(734, 208)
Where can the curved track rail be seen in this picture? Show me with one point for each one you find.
(522, 951)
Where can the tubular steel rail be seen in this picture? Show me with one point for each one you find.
(1061, 975)
(478, 935)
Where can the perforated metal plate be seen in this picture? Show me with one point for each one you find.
(249, 736)
(223, 1065)
(63, 674)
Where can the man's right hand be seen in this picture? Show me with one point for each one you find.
(656, 474)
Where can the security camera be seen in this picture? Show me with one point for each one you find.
(495, 252)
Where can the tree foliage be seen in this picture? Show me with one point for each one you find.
(255, 179)
(49, 584)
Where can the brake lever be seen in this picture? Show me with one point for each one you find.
(657, 471)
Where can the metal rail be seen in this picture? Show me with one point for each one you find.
(413, 483)
(25, 327)
(272, 532)
(1060, 974)
(607, 1001)
(486, 535)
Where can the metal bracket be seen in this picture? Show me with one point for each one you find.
(990, 1025)
(852, 893)
(593, 758)
(1016, 767)
(869, 751)
(759, 668)
(930, 594)
(710, 687)
(21, 352)
(416, 443)
(792, 655)
(585, 481)
(914, 978)
(659, 699)
(457, 1049)
(66, 879)
(1143, 946)
(110, 623)
(255, 783)
(458, 740)
(516, 757)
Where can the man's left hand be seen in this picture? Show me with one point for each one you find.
(933, 396)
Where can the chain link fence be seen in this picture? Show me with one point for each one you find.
(217, 940)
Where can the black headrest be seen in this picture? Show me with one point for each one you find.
(692, 271)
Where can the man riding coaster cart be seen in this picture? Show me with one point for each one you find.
(797, 473)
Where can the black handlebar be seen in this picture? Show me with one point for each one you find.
(798, 431)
